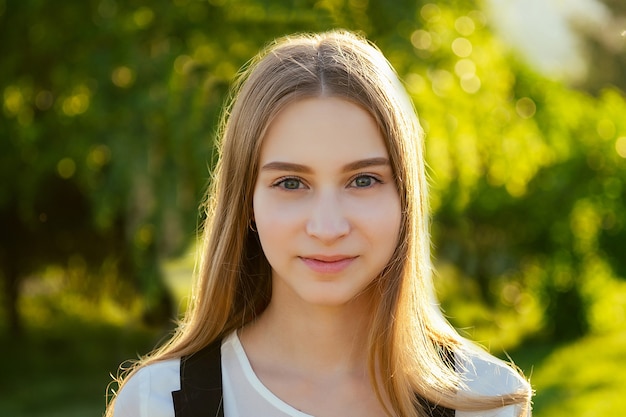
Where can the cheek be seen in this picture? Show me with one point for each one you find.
(384, 222)
(276, 223)
(380, 216)
(389, 227)
(270, 214)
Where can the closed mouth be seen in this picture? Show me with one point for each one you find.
(328, 264)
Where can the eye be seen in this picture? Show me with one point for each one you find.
(364, 181)
(289, 184)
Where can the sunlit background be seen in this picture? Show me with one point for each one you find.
(109, 112)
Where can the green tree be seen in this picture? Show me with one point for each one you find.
(106, 145)
(529, 182)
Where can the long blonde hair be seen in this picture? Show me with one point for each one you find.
(408, 333)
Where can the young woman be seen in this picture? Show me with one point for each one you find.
(314, 295)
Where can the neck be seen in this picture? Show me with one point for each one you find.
(314, 339)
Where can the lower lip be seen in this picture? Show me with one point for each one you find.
(327, 267)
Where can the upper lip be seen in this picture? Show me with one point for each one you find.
(328, 258)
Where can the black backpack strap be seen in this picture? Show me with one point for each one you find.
(435, 410)
(200, 393)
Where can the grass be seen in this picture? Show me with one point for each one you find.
(63, 370)
(585, 378)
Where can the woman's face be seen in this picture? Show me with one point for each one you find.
(325, 202)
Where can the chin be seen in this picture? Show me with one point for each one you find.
(334, 298)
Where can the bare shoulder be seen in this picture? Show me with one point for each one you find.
(148, 392)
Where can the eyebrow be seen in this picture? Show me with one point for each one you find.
(352, 166)
(366, 163)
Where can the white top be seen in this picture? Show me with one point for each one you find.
(148, 393)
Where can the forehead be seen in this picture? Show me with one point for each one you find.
(322, 129)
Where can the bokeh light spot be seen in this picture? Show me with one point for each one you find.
(430, 12)
(464, 25)
(525, 108)
(465, 68)
(123, 76)
(421, 39)
(78, 102)
(442, 81)
(66, 168)
(462, 47)
(182, 63)
(143, 17)
(470, 83)
(99, 156)
(13, 100)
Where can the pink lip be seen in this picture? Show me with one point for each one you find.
(328, 264)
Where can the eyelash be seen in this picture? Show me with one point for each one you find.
(281, 181)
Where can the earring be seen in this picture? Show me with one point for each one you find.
(252, 225)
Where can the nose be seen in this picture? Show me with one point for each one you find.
(327, 221)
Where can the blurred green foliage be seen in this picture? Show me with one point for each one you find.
(528, 179)
(106, 144)
(64, 368)
(576, 379)
(109, 110)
